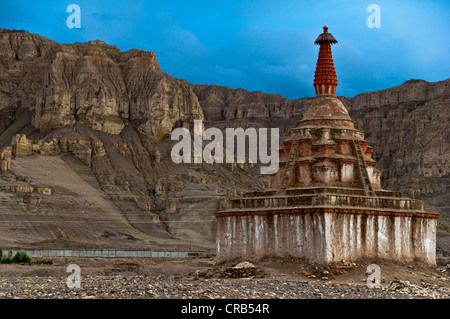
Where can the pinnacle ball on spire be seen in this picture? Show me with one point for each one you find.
(325, 37)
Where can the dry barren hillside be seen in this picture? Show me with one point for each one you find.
(91, 129)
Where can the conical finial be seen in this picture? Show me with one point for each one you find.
(325, 78)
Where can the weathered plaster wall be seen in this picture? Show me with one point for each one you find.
(326, 237)
(257, 236)
(360, 236)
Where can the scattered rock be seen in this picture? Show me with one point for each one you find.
(242, 270)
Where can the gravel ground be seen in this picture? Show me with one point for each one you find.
(203, 279)
(136, 286)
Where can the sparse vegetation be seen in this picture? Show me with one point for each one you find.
(7, 260)
(42, 262)
(22, 258)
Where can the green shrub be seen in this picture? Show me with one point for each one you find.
(21, 257)
(26, 259)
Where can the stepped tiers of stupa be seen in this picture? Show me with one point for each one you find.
(325, 202)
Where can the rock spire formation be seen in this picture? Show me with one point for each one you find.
(325, 203)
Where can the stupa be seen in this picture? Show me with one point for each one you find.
(325, 202)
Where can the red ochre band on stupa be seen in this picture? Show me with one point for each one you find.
(325, 78)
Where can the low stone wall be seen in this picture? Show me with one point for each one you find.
(325, 237)
(103, 253)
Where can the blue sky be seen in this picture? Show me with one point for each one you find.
(259, 45)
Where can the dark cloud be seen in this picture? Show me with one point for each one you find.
(259, 45)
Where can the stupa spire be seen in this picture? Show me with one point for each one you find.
(325, 78)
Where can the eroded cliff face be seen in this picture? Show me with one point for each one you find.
(88, 114)
(94, 84)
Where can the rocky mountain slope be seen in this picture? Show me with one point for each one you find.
(105, 117)
(93, 84)
(91, 106)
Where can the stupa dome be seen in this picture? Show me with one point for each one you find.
(327, 110)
